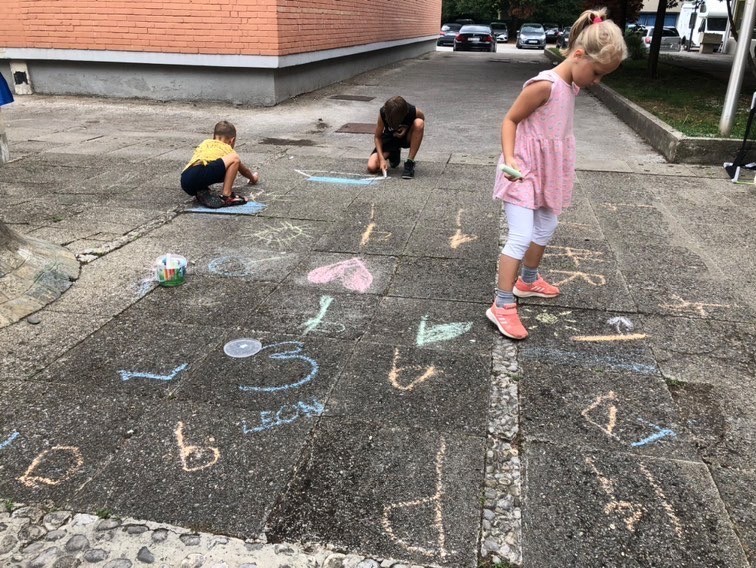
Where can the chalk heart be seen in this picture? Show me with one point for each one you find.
(352, 273)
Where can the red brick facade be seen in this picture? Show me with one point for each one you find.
(222, 27)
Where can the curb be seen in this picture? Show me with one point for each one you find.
(675, 146)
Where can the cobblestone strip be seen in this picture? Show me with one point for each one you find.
(501, 532)
(34, 536)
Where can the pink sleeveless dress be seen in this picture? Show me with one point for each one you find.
(545, 152)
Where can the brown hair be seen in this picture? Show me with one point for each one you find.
(395, 109)
(224, 129)
(601, 39)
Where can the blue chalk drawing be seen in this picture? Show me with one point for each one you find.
(284, 355)
(249, 208)
(127, 375)
(585, 360)
(216, 266)
(346, 181)
(285, 415)
(660, 433)
(442, 332)
(9, 440)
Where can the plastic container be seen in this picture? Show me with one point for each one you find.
(170, 270)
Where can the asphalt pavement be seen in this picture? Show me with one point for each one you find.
(376, 413)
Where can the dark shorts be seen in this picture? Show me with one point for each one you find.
(391, 143)
(201, 177)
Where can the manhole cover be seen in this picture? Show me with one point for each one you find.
(357, 128)
(351, 98)
(287, 142)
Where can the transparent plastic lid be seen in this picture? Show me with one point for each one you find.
(240, 348)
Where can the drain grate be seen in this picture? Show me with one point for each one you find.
(352, 98)
(287, 142)
(357, 128)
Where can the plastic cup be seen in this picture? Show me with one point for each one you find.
(170, 270)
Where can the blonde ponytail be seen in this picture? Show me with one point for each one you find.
(601, 39)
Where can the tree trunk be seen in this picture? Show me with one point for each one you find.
(653, 52)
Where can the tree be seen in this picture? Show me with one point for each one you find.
(653, 50)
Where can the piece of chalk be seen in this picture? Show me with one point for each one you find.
(385, 173)
(510, 171)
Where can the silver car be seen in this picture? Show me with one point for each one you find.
(531, 36)
(670, 40)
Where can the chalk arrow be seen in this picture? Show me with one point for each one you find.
(127, 375)
(441, 332)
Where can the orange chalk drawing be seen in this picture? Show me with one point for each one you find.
(630, 513)
(606, 400)
(592, 279)
(368, 233)
(429, 373)
(30, 480)
(195, 458)
(459, 238)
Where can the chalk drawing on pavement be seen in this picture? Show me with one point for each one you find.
(280, 234)
(442, 332)
(660, 434)
(435, 502)
(586, 359)
(614, 207)
(343, 178)
(316, 323)
(128, 375)
(699, 308)
(291, 354)
(427, 373)
(666, 505)
(9, 440)
(576, 255)
(606, 338)
(239, 266)
(195, 458)
(352, 273)
(287, 414)
(607, 403)
(459, 238)
(370, 232)
(630, 513)
(621, 324)
(572, 275)
(57, 457)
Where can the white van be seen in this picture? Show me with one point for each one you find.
(706, 26)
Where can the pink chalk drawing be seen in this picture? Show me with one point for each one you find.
(352, 273)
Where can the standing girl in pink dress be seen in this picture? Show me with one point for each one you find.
(537, 140)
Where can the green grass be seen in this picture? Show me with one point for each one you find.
(688, 101)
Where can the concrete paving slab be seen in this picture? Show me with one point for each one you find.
(336, 272)
(373, 236)
(584, 338)
(309, 312)
(324, 202)
(38, 211)
(202, 300)
(417, 388)
(618, 189)
(27, 348)
(388, 492)
(65, 436)
(387, 204)
(244, 263)
(38, 170)
(443, 326)
(444, 279)
(603, 409)
(199, 469)
(467, 240)
(463, 175)
(641, 260)
(590, 509)
(134, 356)
(736, 489)
(627, 222)
(288, 379)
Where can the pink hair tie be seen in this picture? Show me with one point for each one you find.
(597, 20)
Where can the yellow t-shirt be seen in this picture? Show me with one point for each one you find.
(209, 151)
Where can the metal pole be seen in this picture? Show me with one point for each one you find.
(738, 68)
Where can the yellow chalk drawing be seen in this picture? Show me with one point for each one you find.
(592, 279)
(576, 255)
(697, 307)
(281, 235)
(434, 501)
(195, 453)
(459, 238)
(546, 318)
(631, 513)
(608, 428)
(613, 206)
(35, 480)
(368, 233)
(430, 372)
(668, 509)
(602, 338)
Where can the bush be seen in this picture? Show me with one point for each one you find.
(635, 46)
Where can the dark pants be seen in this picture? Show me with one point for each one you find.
(199, 177)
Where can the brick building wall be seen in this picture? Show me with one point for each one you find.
(223, 27)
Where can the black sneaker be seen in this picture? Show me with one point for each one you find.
(208, 199)
(409, 169)
(395, 157)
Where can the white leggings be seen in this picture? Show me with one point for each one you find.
(526, 226)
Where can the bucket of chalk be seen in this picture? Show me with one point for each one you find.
(170, 270)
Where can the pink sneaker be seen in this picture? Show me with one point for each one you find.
(507, 320)
(539, 288)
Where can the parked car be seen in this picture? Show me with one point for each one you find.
(500, 31)
(475, 38)
(531, 36)
(563, 38)
(552, 31)
(447, 34)
(670, 40)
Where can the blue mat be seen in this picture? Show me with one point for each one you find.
(249, 208)
(5, 93)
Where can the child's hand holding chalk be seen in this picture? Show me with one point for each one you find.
(512, 173)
